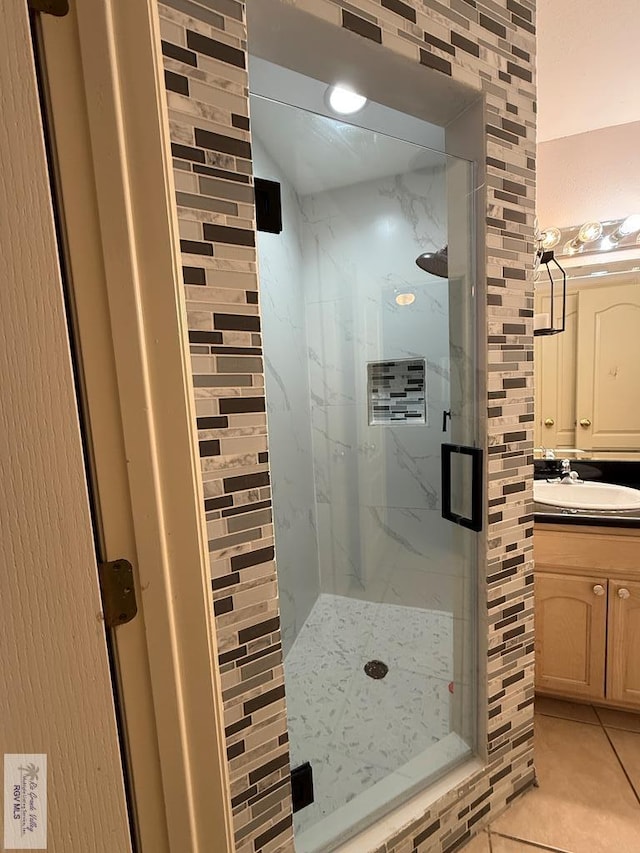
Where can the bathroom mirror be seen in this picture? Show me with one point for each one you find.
(587, 388)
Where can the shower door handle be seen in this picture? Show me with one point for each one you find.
(462, 499)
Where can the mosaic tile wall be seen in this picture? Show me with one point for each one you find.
(204, 47)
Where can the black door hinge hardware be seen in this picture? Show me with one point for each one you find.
(59, 8)
(118, 592)
(302, 786)
(268, 206)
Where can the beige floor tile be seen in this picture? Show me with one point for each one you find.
(479, 844)
(565, 710)
(626, 720)
(584, 803)
(627, 746)
(500, 844)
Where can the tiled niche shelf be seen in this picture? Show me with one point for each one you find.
(396, 391)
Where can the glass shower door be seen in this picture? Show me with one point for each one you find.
(371, 397)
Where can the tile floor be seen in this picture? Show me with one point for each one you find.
(588, 799)
(355, 730)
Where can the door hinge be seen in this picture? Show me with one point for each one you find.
(118, 592)
(59, 8)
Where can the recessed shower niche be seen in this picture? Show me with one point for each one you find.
(396, 392)
(357, 384)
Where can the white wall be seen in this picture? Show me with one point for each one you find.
(377, 487)
(289, 414)
(593, 175)
(588, 110)
(588, 65)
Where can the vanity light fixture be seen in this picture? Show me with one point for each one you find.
(592, 236)
(344, 101)
(631, 225)
(550, 238)
(588, 233)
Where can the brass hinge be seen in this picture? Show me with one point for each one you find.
(118, 592)
(59, 8)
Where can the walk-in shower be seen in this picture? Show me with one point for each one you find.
(370, 372)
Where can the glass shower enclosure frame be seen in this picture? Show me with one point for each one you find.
(352, 449)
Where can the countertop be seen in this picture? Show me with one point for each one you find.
(555, 515)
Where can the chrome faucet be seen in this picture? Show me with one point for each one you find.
(569, 476)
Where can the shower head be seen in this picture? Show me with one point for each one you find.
(435, 263)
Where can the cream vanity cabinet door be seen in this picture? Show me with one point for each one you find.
(555, 379)
(607, 386)
(623, 665)
(571, 634)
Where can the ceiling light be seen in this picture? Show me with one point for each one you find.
(550, 238)
(345, 101)
(406, 298)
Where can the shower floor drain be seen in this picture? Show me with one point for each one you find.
(376, 669)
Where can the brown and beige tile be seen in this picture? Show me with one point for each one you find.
(584, 802)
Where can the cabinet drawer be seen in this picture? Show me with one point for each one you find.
(592, 550)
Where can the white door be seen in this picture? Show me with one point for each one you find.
(57, 697)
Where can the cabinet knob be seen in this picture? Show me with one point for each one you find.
(585, 422)
(624, 593)
(549, 422)
(598, 589)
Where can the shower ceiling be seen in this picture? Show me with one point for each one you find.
(317, 153)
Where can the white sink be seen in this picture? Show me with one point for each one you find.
(600, 496)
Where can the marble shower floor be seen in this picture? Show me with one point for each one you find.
(354, 730)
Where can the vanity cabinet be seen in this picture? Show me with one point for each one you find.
(587, 613)
(571, 634)
(623, 674)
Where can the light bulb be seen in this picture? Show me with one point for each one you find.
(406, 298)
(590, 231)
(550, 238)
(345, 101)
(572, 248)
(630, 225)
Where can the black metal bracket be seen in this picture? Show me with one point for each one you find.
(477, 478)
(547, 258)
(118, 592)
(302, 786)
(59, 8)
(268, 197)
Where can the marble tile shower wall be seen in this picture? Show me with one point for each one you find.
(377, 487)
(490, 45)
(288, 405)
